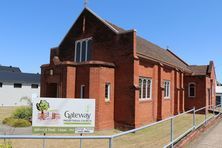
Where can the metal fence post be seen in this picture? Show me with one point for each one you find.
(43, 144)
(4, 138)
(220, 109)
(205, 121)
(194, 118)
(171, 132)
(213, 111)
(80, 141)
(110, 142)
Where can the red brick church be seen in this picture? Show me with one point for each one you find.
(134, 81)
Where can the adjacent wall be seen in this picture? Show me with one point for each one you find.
(10, 96)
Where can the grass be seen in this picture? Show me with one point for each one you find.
(155, 136)
(6, 112)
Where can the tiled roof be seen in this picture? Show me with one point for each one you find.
(18, 77)
(201, 70)
(155, 52)
(9, 69)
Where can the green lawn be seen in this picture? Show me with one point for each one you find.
(155, 136)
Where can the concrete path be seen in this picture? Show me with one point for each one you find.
(210, 139)
(4, 129)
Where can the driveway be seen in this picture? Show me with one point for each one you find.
(210, 139)
(4, 129)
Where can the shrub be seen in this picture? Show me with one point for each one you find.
(21, 123)
(16, 122)
(8, 121)
(20, 117)
(7, 144)
(23, 113)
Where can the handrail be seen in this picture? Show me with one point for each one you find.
(52, 137)
(146, 126)
(110, 137)
(200, 109)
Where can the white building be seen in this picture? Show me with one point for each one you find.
(218, 93)
(15, 86)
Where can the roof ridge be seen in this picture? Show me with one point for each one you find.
(101, 19)
(177, 56)
(198, 65)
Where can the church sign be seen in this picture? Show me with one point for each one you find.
(54, 115)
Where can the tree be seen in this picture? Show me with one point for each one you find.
(42, 106)
(27, 99)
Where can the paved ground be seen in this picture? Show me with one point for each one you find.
(4, 129)
(211, 139)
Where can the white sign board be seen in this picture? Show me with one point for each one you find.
(56, 115)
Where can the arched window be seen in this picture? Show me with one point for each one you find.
(192, 90)
(145, 91)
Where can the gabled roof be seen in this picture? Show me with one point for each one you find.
(154, 52)
(145, 48)
(9, 69)
(16, 77)
(102, 20)
(201, 70)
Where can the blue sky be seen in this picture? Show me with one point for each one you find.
(190, 28)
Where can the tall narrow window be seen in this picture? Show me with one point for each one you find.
(191, 90)
(82, 91)
(107, 91)
(145, 88)
(89, 50)
(83, 50)
(166, 89)
(83, 56)
(78, 52)
(0, 84)
(140, 86)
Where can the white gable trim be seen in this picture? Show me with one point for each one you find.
(102, 20)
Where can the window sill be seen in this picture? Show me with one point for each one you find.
(145, 100)
(167, 98)
(107, 101)
(191, 97)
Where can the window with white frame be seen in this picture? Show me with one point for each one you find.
(192, 89)
(166, 89)
(83, 50)
(107, 91)
(145, 88)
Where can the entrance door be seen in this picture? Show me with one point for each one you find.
(51, 90)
